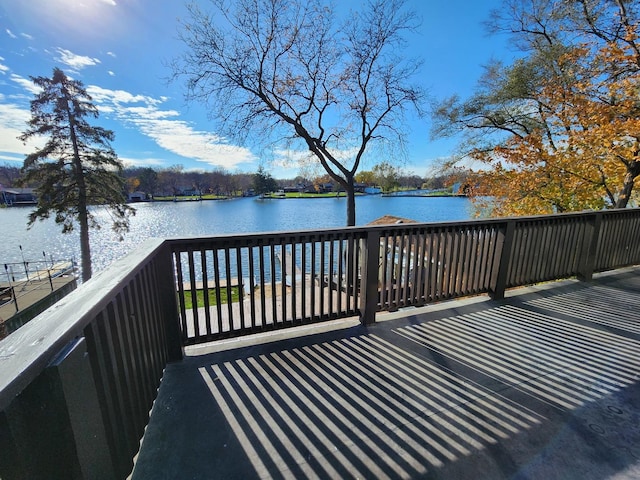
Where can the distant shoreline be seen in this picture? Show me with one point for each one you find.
(288, 196)
(424, 195)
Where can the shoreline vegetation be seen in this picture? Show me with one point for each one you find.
(290, 195)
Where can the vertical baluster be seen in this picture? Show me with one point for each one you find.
(252, 287)
(427, 262)
(406, 266)
(263, 286)
(459, 263)
(352, 274)
(417, 250)
(485, 234)
(395, 269)
(385, 281)
(331, 275)
(194, 296)
(227, 268)
(240, 287)
(294, 283)
(340, 282)
(216, 269)
(183, 311)
(274, 291)
(323, 259)
(283, 284)
(313, 279)
(205, 291)
(303, 278)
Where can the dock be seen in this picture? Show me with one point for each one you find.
(24, 298)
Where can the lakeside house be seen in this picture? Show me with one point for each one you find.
(17, 196)
(138, 197)
(323, 188)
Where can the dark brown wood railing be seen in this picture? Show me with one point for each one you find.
(285, 279)
(78, 381)
(274, 280)
(421, 264)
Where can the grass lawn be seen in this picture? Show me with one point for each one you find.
(189, 198)
(235, 296)
(308, 195)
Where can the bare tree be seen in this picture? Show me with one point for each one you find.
(287, 70)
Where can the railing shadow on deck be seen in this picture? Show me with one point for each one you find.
(483, 391)
(79, 381)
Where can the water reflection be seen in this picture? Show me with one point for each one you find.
(185, 219)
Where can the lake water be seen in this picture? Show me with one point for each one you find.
(183, 219)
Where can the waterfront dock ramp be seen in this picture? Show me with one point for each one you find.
(24, 298)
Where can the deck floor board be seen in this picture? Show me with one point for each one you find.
(542, 384)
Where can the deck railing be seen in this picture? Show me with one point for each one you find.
(234, 285)
(281, 280)
(78, 381)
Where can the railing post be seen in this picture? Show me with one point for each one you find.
(169, 304)
(589, 249)
(55, 427)
(503, 254)
(369, 281)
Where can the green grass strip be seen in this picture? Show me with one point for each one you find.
(188, 302)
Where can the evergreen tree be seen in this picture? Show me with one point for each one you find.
(76, 167)
(263, 182)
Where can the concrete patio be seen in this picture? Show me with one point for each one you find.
(541, 385)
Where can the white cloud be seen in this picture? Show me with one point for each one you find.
(290, 158)
(13, 121)
(7, 158)
(294, 158)
(166, 129)
(11, 34)
(144, 113)
(74, 61)
(14, 116)
(27, 36)
(26, 84)
(180, 138)
(117, 97)
(142, 162)
(111, 54)
(3, 68)
(112, 74)
(109, 2)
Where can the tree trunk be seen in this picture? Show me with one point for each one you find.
(83, 217)
(85, 248)
(83, 220)
(351, 202)
(627, 186)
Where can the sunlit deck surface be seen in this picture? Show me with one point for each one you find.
(541, 385)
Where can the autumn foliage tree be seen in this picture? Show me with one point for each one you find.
(558, 130)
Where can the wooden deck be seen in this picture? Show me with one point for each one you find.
(542, 384)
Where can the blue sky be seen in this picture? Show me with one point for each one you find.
(119, 49)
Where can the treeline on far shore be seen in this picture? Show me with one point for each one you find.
(143, 183)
